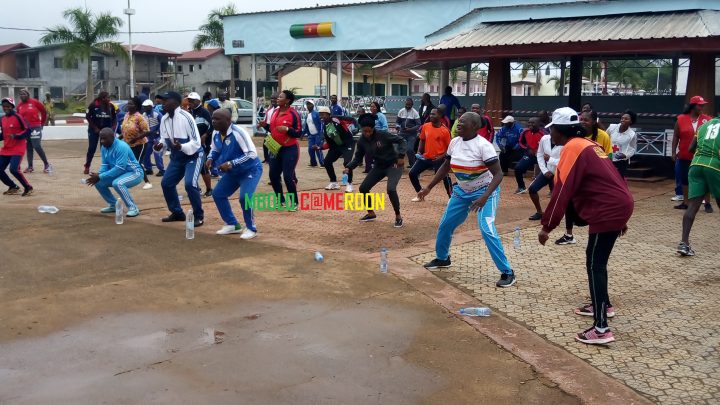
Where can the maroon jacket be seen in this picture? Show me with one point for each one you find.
(587, 179)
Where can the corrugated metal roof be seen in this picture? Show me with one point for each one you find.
(319, 7)
(141, 48)
(201, 54)
(692, 24)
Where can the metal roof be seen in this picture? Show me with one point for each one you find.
(690, 24)
(151, 50)
(319, 7)
(200, 54)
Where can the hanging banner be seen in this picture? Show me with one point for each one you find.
(312, 30)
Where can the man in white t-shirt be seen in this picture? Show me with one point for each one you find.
(548, 156)
(477, 169)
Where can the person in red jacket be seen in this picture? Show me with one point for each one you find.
(13, 132)
(529, 142)
(685, 130)
(588, 186)
(34, 113)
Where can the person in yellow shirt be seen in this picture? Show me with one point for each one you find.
(589, 121)
(50, 108)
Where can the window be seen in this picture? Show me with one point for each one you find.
(117, 63)
(199, 67)
(192, 68)
(58, 64)
(399, 89)
(416, 88)
(56, 92)
(179, 68)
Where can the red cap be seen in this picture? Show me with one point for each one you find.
(698, 100)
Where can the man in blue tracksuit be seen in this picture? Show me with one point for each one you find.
(179, 134)
(233, 152)
(312, 128)
(119, 170)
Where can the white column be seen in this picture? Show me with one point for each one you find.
(253, 78)
(352, 81)
(338, 73)
(444, 81)
(388, 92)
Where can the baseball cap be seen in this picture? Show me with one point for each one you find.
(507, 119)
(698, 100)
(194, 96)
(310, 101)
(171, 95)
(323, 109)
(147, 103)
(214, 103)
(564, 116)
(9, 100)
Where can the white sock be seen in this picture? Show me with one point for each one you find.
(601, 330)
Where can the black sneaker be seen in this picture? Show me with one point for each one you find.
(160, 173)
(28, 192)
(198, 222)
(368, 218)
(506, 280)
(681, 207)
(438, 264)
(398, 223)
(174, 217)
(708, 208)
(12, 191)
(536, 216)
(208, 193)
(685, 250)
(566, 240)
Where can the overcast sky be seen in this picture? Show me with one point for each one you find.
(150, 15)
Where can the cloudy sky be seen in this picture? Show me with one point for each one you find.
(151, 15)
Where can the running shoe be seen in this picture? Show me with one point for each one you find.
(536, 216)
(174, 217)
(29, 170)
(47, 168)
(28, 192)
(107, 210)
(147, 186)
(368, 218)
(160, 173)
(708, 208)
(248, 234)
(12, 191)
(398, 223)
(438, 264)
(332, 186)
(230, 229)
(133, 213)
(594, 337)
(566, 240)
(506, 280)
(677, 198)
(587, 310)
(685, 250)
(208, 193)
(521, 190)
(198, 222)
(417, 199)
(681, 207)
(349, 188)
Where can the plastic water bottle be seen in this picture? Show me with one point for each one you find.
(516, 238)
(119, 212)
(83, 181)
(190, 225)
(383, 260)
(319, 257)
(48, 209)
(476, 311)
(344, 179)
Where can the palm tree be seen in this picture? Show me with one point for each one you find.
(535, 68)
(212, 34)
(559, 89)
(86, 34)
(626, 76)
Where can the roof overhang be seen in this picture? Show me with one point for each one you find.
(632, 34)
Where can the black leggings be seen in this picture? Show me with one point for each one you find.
(622, 167)
(93, 139)
(598, 251)
(35, 142)
(378, 173)
(284, 164)
(335, 153)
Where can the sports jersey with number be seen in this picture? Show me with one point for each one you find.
(708, 145)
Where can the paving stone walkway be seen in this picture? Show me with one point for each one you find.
(666, 329)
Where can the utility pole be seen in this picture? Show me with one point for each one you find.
(129, 11)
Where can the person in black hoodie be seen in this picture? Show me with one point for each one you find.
(388, 151)
(340, 143)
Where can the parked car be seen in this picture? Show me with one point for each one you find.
(245, 110)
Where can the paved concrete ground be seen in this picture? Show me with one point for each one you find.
(555, 286)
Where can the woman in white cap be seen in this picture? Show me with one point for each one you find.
(588, 186)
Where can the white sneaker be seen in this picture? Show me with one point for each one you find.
(147, 186)
(229, 229)
(677, 198)
(248, 234)
(417, 199)
(349, 188)
(332, 186)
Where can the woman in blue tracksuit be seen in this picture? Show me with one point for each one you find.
(233, 153)
(119, 170)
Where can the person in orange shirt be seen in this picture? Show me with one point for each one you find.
(434, 141)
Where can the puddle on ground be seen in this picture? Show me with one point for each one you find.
(276, 352)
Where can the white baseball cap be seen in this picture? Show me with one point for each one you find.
(564, 116)
(194, 96)
(148, 103)
(507, 119)
(323, 109)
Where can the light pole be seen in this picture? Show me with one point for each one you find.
(129, 11)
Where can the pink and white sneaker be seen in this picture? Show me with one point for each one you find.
(593, 337)
(587, 310)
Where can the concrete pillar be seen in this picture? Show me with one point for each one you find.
(575, 94)
(563, 64)
(444, 81)
(253, 79)
(329, 79)
(467, 79)
(388, 92)
(339, 76)
(498, 96)
(701, 79)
